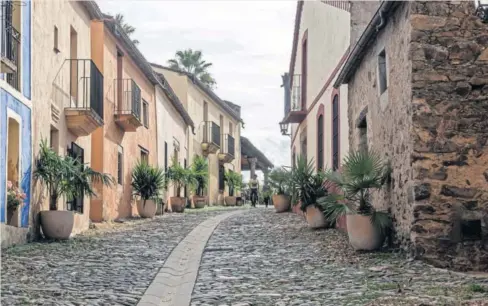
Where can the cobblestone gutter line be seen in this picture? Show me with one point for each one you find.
(173, 285)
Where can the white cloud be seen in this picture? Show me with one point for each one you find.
(248, 42)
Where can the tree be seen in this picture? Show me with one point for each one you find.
(191, 61)
(127, 28)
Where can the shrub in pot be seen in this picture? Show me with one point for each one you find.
(179, 177)
(279, 180)
(63, 176)
(199, 181)
(309, 187)
(233, 180)
(147, 183)
(15, 198)
(362, 173)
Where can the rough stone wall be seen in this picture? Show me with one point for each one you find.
(388, 116)
(361, 14)
(450, 132)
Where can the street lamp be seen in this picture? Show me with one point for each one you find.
(284, 128)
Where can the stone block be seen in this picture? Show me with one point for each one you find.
(453, 191)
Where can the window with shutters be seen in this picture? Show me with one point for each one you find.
(144, 155)
(335, 133)
(165, 156)
(382, 75)
(120, 165)
(320, 143)
(145, 113)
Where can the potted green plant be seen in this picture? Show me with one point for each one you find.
(309, 187)
(279, 181)
(63, 176)
(147, 183)
(199, 181)
(179, 178)
(15, 198)
(233, 180)
(362, 173)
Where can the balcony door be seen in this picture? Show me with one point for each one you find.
(120, 82)
(76, 152)
(73, 53)
(304, 73)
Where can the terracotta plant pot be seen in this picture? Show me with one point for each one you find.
(13, 216)
(362, 234)
(57, 224)
(199, 201)
(178, 204)
(148, 210)
(281, 202)
(230, 201)
(315, 217)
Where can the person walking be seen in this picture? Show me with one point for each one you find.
(254, 185)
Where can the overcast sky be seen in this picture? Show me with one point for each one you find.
(248, 42)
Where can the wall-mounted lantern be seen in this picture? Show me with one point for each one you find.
(284, 128)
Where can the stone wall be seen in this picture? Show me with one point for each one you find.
(361, 14)
(388, 116)
(450, 132)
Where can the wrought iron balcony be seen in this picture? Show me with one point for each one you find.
(127, 104)
(10, 46)
(78, 88)
(295, 107)
(211, 137)
(227, 151)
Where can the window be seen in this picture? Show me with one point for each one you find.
(56, 46)
(76, 152)
(363, 135)
(222, 127)
(294, 157)
(165, 156)
(73, 45)
(335, 133)
(221, 177)
(144, 155)
(145, 113)
(54, 139)
(320, 142)
(383, 80)
(120, 165)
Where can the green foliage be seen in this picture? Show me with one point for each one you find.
(127, 28)
(362, 173)
(279, 180)
(147, 181)
(233, 181)
(179, 176)
(477, 288)
(309, 186)
(199, 175)
(192, 62)
(66, 176)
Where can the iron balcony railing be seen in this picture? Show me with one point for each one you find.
(10, 43)
(86, 85)
(128, 98)
(211, 133)
(293, 94)
(79, 85)
(228, 145)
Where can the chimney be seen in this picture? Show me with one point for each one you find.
(361, 14)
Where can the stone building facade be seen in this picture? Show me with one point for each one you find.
(418, 94)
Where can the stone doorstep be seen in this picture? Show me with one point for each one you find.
(173, 284)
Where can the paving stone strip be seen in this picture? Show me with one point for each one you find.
(173, 285)
(108, 268)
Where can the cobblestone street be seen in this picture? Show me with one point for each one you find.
(257, 257)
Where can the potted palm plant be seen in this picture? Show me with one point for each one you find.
(233, 181)
(309, 187)
(199, 180)
(279, 181)
(362, 173)
(147, 183)
(63, 176)
(179, 177)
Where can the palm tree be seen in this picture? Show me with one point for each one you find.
(127, 28)
(191, 61)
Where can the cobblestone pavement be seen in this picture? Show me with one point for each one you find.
(264, 258)
(111, 268)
